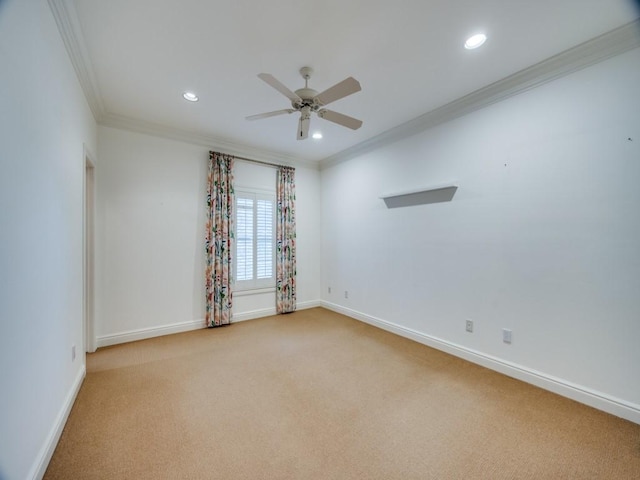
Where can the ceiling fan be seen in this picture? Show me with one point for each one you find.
(306, 100)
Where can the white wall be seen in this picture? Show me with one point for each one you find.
(149, 242)
(151, 213)
(44, 123)
(541, 237)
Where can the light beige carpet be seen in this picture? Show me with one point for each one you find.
(316, 395)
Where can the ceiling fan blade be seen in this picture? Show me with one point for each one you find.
(340, 119)
(303, 127)
(338, 91)
(271, 80)
(270, 114)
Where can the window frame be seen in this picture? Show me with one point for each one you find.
(255, 283)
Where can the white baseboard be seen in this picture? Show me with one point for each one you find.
(150, 332)
(253, 314)
(579, 393)
(46, 452)
(307, 305)
(267, 312)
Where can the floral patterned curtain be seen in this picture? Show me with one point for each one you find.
(286, 241)
(219, 237)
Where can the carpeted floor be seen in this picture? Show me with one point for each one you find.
(316, 395)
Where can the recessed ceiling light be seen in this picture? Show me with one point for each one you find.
(475, 41)
(317, 135)
(190, 96)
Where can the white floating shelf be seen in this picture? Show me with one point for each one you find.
(420, 196)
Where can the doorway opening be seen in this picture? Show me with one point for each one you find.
(89, 253)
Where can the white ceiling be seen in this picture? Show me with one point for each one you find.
(407, 54)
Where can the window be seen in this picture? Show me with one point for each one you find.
(255, 240)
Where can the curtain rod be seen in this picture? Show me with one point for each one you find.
(268, 164)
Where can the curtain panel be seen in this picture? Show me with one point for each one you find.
(286, 241)
(219, 239)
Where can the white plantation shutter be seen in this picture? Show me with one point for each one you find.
(255, 240)
(264, 238)
(244, 239)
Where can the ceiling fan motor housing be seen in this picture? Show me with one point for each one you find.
(307, 95)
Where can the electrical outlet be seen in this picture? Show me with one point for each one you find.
(73, 353)
(346, 294)
(506, 335)
(469, 326)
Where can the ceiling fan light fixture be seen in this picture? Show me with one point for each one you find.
(317, 135)
(190, 96)
(475, 41)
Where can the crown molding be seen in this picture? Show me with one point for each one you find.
(210, 141)
(66, 18)
(598, 49)
(615, 42)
